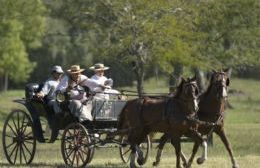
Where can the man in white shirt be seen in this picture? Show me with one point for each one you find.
(48, 94)
(102, 93)
(74, 83)
(49, 87)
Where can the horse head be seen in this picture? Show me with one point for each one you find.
(188, 92)
(219, 83)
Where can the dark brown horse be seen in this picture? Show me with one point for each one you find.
(211, 109)
(169, 115)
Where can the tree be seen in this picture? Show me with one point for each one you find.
(141, 33)
(21, 28)
(232, 29)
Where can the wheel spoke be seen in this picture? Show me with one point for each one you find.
(69, 153)
(16, 154)
(18, 122)
(20, 153)
(83, 151)
(77, 158)
(73, 159)
(10, 136)
(27, 135)
(81, 157)
(23, 129)
(29, 142)
(10, 145)
(27, 148)
(23, 154)
(126, 151)
(15, 133)
(13, 150)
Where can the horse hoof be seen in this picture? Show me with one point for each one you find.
(140, 161)
(155, 164)
(186, 165)
(200, 160)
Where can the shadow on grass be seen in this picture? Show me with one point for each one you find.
(62, 165)
(30, 165)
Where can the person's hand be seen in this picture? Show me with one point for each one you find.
(103, 87)
(39, 95)
(69, 88)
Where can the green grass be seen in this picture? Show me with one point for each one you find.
(242, 126)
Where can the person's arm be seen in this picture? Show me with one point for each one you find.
(93, 84)
(44, 91)
(62, 86)
(109, 82)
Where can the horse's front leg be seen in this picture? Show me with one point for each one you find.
(222, 135)
(176, 142)
(132, 156)
(196, 136)
(194, 151)
(162, 142)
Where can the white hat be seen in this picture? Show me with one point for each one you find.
(98, 67)
(57, 69)
(75, 69)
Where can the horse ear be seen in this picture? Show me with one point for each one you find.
(226, 70)
(194, 78)
(182, 79)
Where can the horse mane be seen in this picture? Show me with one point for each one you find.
(179, 89)
(208, 89)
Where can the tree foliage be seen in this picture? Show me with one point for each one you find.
(21, 28)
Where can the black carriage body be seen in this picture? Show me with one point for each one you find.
(106, 112)
(38, 108)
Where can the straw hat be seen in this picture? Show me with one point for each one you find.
(98, 67)
(75, 69)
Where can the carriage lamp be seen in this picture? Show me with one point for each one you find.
(60, 97)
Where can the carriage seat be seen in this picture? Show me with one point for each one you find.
(31, 89)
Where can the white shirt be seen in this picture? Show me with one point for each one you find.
(99, 79)
(78, 91)
(49, 88)
(102, 80)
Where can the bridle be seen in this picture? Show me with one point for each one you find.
(220, 82)
(185, 99)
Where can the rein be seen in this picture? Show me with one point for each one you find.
(215, 124)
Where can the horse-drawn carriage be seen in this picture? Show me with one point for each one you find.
(78, 140)
(139, 117)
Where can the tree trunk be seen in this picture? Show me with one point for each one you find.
(1, 83)
(5, 82)
(201, 79)
(175, 77)
(139, 71)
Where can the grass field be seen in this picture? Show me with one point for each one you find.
(242, 126)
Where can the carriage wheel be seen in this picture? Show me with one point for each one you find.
(19, 143)
(125, 150)
(75, 146)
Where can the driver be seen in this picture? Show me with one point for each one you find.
(74, 83)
